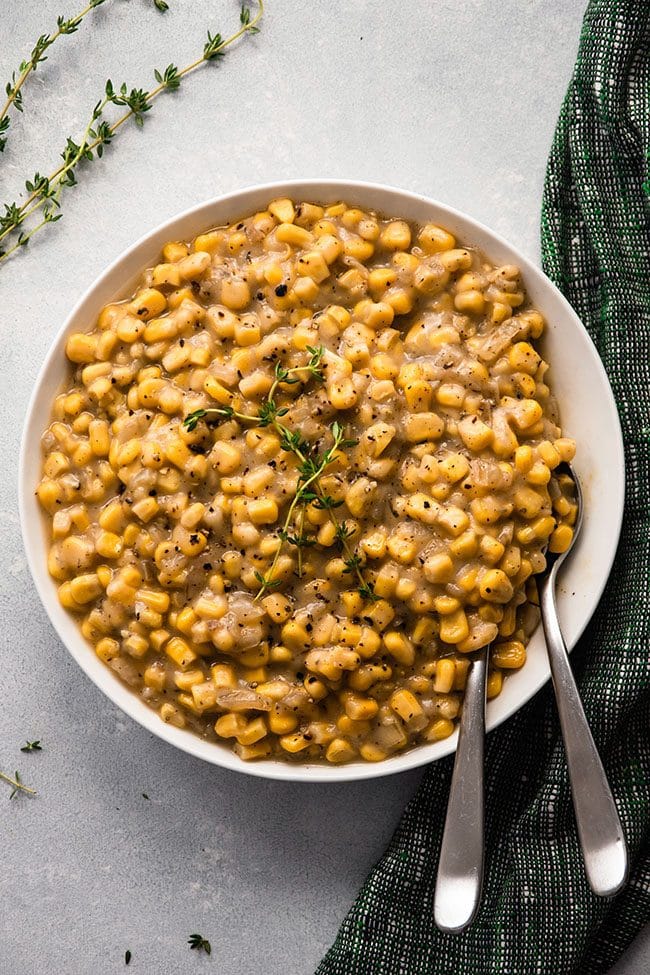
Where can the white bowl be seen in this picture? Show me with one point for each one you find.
(588, 413)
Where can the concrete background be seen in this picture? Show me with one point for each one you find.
(455, 100)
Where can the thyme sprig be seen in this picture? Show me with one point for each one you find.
(44, 192)
(14, 88)
(64, 27)
(310, 469)
(17, 783)
(311, 466)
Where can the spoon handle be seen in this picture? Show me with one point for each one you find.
(599, 827)
(460, 868)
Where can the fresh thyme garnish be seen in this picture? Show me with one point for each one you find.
(367, 592)
(314, 364)
(352, 564)
(311, 467)
(17, 783)
(300, 541)
(222, 413)
(266, 583)
(325, 503)
(342, 533)
(32, 746)
(191, 421)
(269, 410)
(43, 201)
(199, 943)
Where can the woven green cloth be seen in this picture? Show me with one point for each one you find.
(538, 915)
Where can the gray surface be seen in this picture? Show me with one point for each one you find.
(456, 100)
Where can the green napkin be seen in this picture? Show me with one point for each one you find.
(538, 914)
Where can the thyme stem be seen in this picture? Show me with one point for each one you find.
(17, 784)
(298, 496)
(310, 471)
(24, 239)
(282, 430)
(46, 191)
(45, 41)
(301, 529)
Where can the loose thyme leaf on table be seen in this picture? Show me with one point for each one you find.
(198, 943)
(32, 746)
(20, 222)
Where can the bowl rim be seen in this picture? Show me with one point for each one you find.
(108, 683)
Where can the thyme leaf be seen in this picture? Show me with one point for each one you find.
(198, 943)
(32, 746)
(267, 584)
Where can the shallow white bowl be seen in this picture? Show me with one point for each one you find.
(588, 413)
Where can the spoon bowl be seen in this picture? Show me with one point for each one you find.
(555, 559)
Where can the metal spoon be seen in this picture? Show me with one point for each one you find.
(599, 827)
(460, 867)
